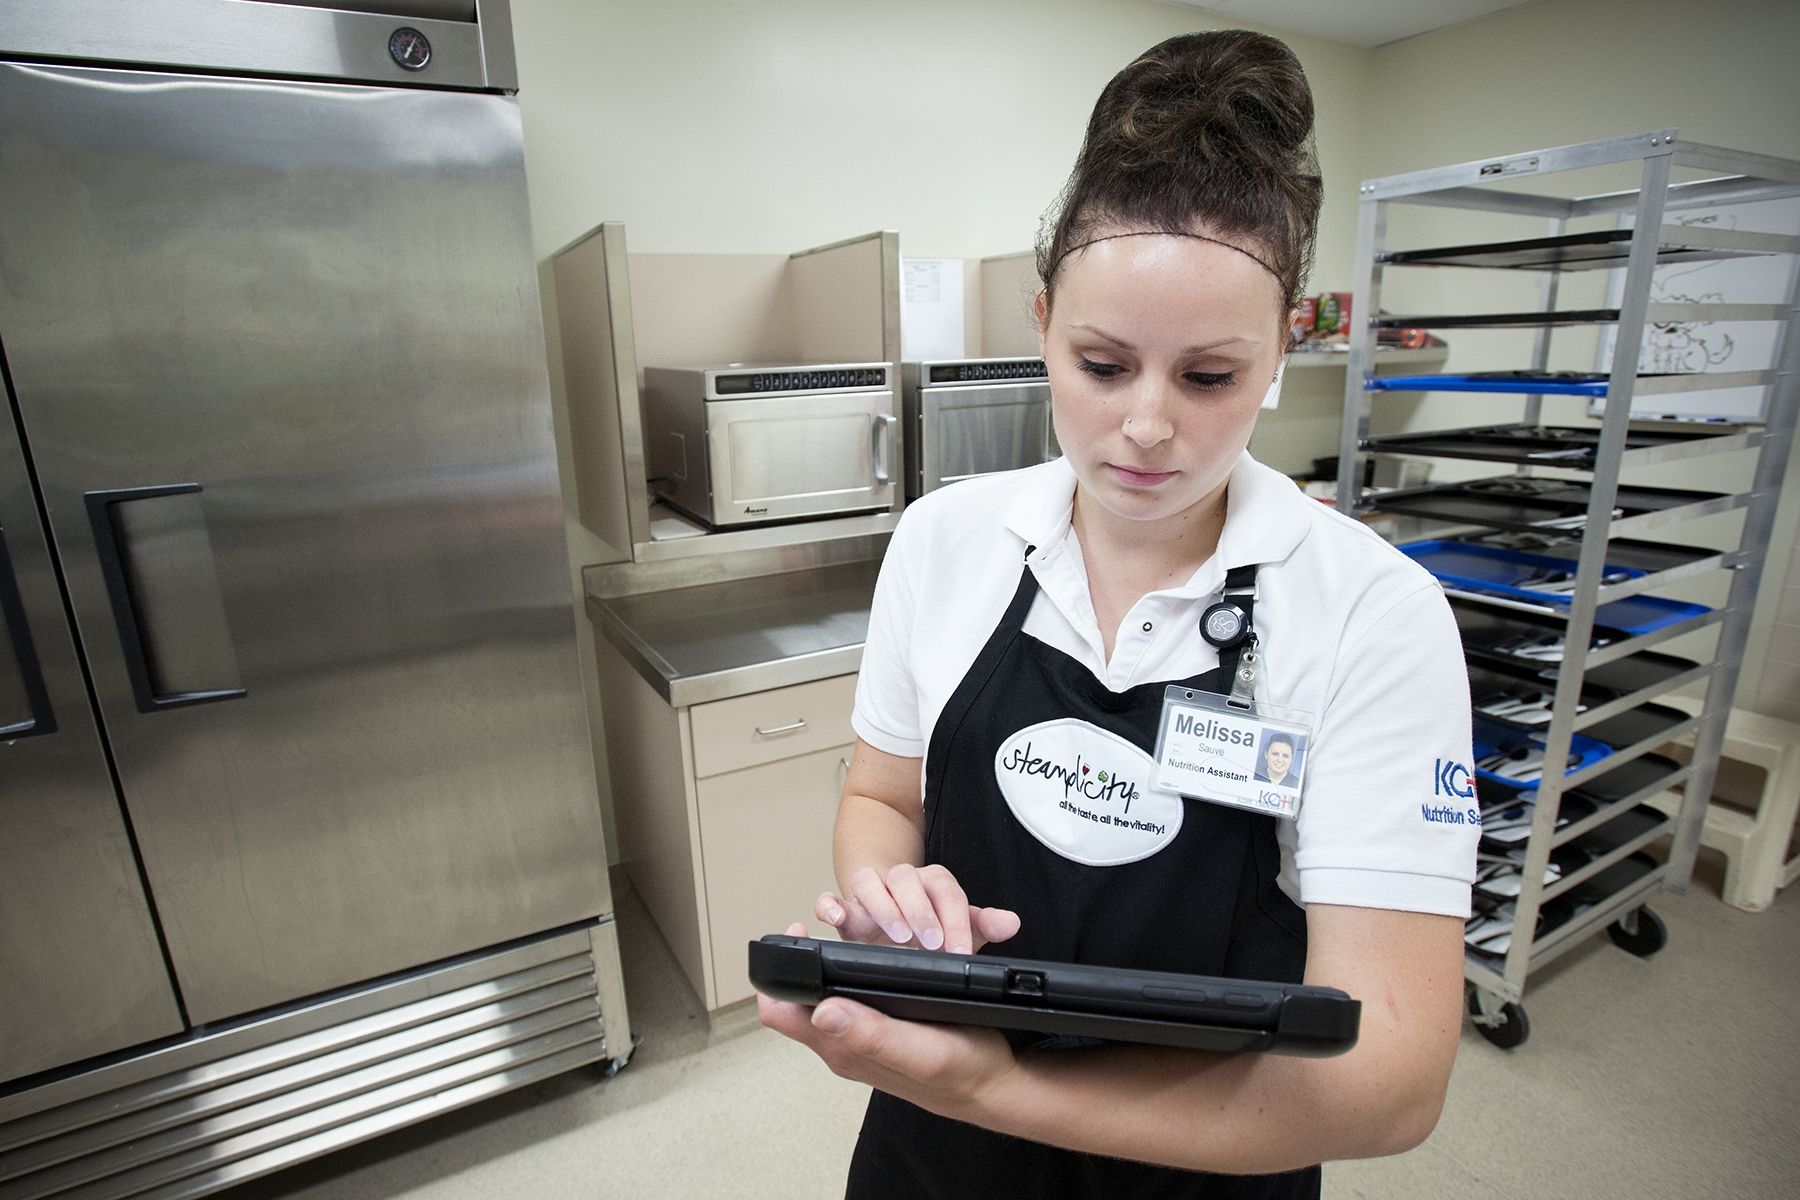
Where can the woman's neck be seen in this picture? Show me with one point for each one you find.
(1127, 560)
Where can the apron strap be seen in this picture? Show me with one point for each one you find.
(980, 671)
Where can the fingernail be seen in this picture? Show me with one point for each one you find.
(830, 1020)
(898, 934)
(835, 915)
(931, 939)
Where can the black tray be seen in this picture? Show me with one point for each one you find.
(1582, 316)
(1512, 502)
(1635, 725)
(1551, 445)
(1598, 842)
(1484, 634)
(1596, 890)
(1626, 779)
(1489, 631)
(1649, 557)
(1565, 252)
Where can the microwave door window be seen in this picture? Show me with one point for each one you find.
(1002, 433)
(795, 458)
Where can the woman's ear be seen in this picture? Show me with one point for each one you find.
(1040, 313)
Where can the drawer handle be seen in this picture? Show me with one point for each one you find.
(788, 728)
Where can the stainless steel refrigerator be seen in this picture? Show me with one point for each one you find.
(299, 838)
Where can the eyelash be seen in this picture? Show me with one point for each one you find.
(1206, 381)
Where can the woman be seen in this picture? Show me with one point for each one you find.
(1049, 608)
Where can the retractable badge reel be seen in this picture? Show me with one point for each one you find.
(1229, 749)
(1226, 626)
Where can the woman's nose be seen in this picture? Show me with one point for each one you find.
(1146, 420)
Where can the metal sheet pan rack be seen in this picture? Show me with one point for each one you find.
(1555, 577)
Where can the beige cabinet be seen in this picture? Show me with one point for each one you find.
(724, 812)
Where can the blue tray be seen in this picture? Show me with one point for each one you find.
(1591, 386)
(1493, 571)
(1491, 737)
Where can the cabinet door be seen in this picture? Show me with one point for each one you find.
(765, 834)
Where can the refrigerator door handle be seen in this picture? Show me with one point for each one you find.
(42, 718)
(110, 548)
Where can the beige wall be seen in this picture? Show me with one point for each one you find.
(761, 126)
(768, 126)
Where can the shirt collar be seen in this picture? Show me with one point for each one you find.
(1266, 518)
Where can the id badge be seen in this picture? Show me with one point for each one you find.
(1211, 749)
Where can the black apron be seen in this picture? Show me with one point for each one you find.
(1206, 903)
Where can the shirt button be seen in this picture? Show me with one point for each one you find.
(1146, 627)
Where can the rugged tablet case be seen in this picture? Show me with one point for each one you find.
(1112, 1003)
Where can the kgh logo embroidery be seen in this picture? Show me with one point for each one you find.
(1452, 779)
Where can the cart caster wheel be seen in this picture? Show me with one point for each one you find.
(1640, 932)
(1502, 1023)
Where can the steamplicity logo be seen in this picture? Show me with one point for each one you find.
(1085, 793)
(1078, 778)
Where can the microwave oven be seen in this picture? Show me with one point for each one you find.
(750, 444)
(974, 416)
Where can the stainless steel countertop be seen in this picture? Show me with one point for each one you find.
(716, 640)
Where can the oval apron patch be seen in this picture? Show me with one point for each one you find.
(1085, 793)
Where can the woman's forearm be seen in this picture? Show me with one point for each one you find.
(871, 833)
(1242, 1114)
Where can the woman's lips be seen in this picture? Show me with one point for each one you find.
(1139, 477)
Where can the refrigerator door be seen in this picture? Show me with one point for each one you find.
(81, 972)
(279, 359)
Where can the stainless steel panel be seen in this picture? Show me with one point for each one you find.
(81, 972)
(227, 1106)
(970, 431)
(225, 1054)
(319, 303)
(315, 40)
(694, 644)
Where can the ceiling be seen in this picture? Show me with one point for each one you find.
(1366, 23)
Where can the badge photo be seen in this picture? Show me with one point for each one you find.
(1280, 757)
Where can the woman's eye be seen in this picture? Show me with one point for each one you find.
(1100, 370)
(1211, 380)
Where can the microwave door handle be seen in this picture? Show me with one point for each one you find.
(40, 718)
(881, 446)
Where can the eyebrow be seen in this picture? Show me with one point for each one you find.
(1122, 344)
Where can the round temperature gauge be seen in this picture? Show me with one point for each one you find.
(409, 48)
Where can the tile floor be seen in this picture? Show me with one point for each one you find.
(1677, 1076)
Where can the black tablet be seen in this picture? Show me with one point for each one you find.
(1112, 1003)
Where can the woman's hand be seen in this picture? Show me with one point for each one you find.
(949, 1069)
(914, 903)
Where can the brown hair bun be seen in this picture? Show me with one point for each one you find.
(1205, 131)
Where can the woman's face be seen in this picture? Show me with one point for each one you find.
(1279, 757)
(1159, 349)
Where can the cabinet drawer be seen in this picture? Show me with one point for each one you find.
(780, 723)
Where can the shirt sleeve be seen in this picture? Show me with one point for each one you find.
(1389, 816)
(886, 714)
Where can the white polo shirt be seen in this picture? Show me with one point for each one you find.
(1350, 630)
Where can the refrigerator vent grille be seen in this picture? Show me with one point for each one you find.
(232, 1105)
